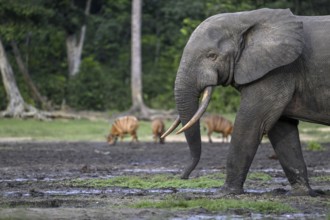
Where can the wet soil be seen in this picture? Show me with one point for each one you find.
(31, 174)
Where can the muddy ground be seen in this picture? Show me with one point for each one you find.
(30, 173)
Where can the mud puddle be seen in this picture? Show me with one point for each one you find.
(114, 191)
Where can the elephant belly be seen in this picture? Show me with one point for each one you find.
(313, 107)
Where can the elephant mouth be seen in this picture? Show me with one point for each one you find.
(231, 74)
(206, 97)
(230, 77)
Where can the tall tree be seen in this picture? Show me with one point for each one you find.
(16, 106)
(136, 69)
(74, 44)
(138, 106)
(26, 75)
(18, 17)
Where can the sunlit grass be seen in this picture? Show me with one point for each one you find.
(65, 130)
(177, 203)
(87, 130)
(314, 132)
(55, 130)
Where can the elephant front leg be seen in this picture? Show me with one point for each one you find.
(242, 150)
(284, 137)
(261, 106)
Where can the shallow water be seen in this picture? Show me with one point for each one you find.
(122, 191)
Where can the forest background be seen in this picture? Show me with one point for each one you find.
(38, 32)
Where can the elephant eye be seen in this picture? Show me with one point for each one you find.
(212, 56)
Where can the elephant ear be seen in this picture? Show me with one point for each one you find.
(274, 38)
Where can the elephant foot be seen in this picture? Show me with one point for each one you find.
(184, 176)
(190, 168)
(304, 191)
(227, 190)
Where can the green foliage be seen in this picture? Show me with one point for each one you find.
(88, 89)
(314, 146)
(68, 17)
(224, 100)
(20, 17)
(175, 202)
(162, 45)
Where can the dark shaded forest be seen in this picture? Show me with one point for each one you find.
(35, 35)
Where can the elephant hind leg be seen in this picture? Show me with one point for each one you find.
(284, 137)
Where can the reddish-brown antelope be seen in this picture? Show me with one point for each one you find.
(122, 126)
(158, 128)
(219, 124)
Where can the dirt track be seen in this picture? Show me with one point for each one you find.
(28, 172)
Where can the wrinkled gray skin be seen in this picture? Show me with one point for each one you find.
(280, 63)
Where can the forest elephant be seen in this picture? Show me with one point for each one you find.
(158, 128)
(219, 124)
(122, 126)
(280, 64)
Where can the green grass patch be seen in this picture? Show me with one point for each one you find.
(259, 176)
(321, 178)
(314, 132)
(159, 181)
(260, 206)
(150, 182)
(55, 130)
(314, 146)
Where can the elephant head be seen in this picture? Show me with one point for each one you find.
(230, 49)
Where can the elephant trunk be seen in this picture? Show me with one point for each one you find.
(187, 102)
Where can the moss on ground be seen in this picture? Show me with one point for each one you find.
(261, 206)
(151, 182)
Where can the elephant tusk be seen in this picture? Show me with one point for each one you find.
(172, 127)
(204, 103)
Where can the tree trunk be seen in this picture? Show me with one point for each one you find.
(17, 107)
(136, 82)
(34, 90)
(16, 104)
(74, 50)
(75, 46)
(136, 69)
(139, 109)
